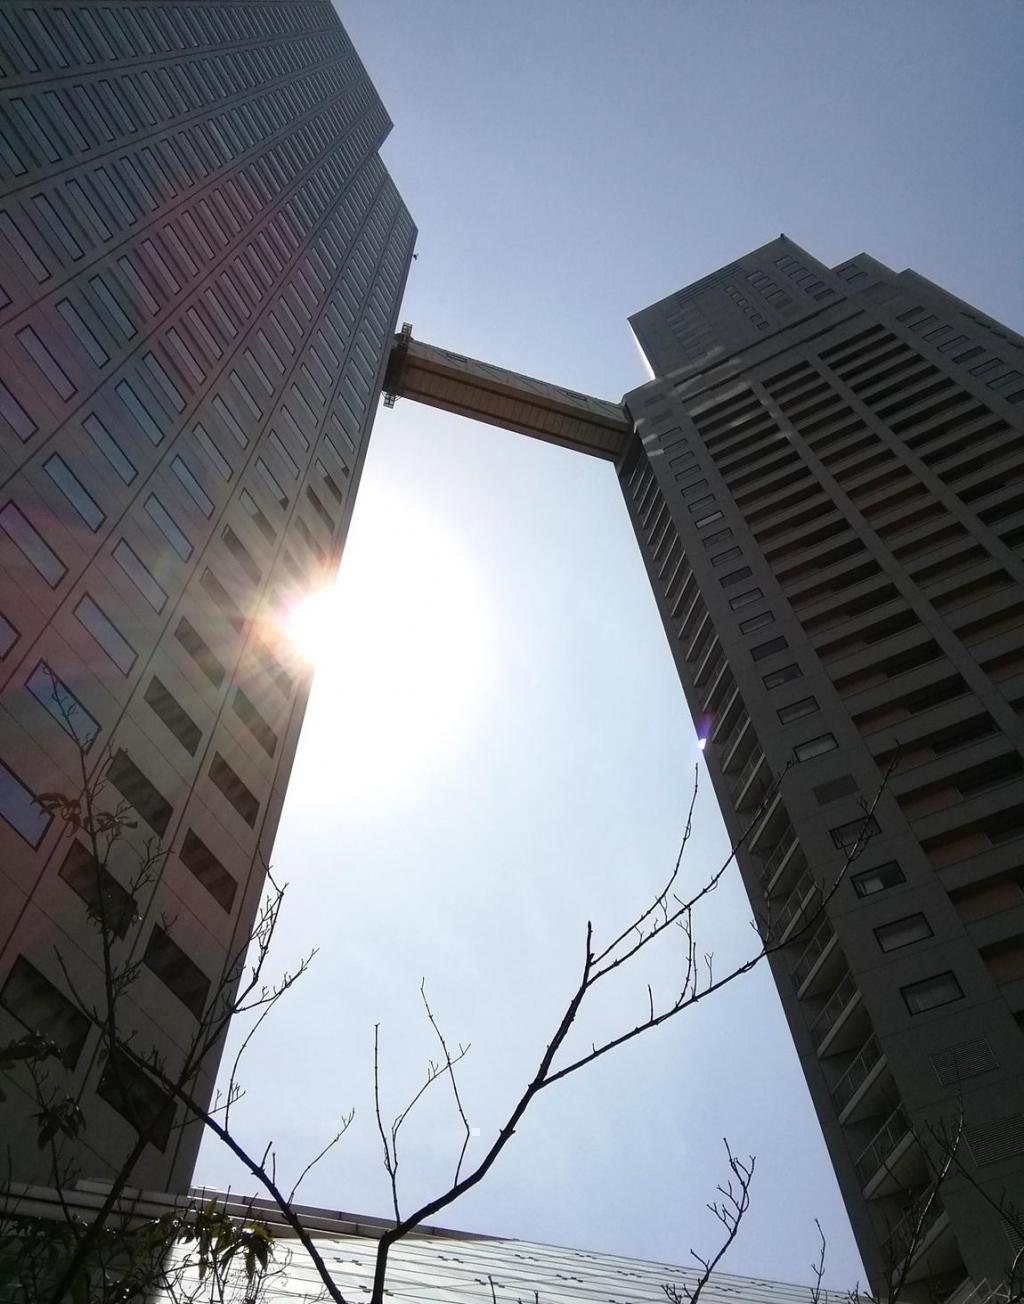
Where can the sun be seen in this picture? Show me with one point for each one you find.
(399, 646)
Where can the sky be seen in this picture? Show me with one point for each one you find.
(497, 748)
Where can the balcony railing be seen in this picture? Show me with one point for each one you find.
(882, 1144)
(727, 740)
(773, 861)
(754, 760)
(821, 937)
(805, 889)
(830, 1012)
(856, 1074)
(907, 1238)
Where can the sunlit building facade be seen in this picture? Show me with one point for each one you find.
(201, 260)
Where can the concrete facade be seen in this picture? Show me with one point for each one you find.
(202, 261)
(827, 486)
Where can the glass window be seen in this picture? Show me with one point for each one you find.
(139, 411)
(124, 775)
(722, 557)
(286, 457)
(815, 747)
(200, 652)
(234, 789)
(173, 715)
(197, 857)
(168, 527)
(932, 992)
(44, 1009)
(54, 696)
(797, 710)
(74, 491)
(734, 577)
(32, 545)
(782, 676)
(140, 575)
(85, 337)
(15, 415)
(179, 974)
(138, 1099)
(251, 506)
(163, 382)
(849, 834)
(19, 808)
(745, 599)
(8, 636)
(241, 554)
(45, 361)
(902, 932)
(106, 634)
(192, 486)
(759, 621)
(209, 446)
(110, 448)
(870, 881)
(271, 481)
(225, 414)
(768, 649)
(109, 301)
(708, 520)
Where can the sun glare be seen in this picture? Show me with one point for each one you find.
(399, 647)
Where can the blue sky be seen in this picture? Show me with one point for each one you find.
(497, 748)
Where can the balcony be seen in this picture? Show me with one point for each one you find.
(883, 1163)
(814, 957)
(752, 782)
(924, 1237)
(727, 742)
(835, 1015)
(801, 899)
(710, 663)
(780, 863)
(855, 1092)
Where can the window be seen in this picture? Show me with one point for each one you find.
(32, 545)
(902, 932)
(108, 902)
(192, 486)
(700, 504)
(254, 722)
(18, 806)
(286, 457)
(852, 832)
(734, 577)
(55, 697)
(172, 714)
(179, 974)
(44, 1009)
(139, 574)
(45, 361)
(708, 520)
(225, 414)
(722, 557)
(110, 448)
(797, 710)
(165, 523)
(768, 649)
(253, 508)
(163, 382)
(139, 411)
(280, 497)
(209, 447)
(85, 337)
(783, 676)
(200, 652)
(107, 299)
(225, 778)
(815, 747)
(137, 1098)
(745, 599)
(197, 857)
(757, 622)
(74, 491)
(8, 636)
(870, 881)
(138, 792)
(15, 415)
(932, 992)
(241, 554)
(106, 634)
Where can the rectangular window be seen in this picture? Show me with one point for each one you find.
(271, 481)
(84, 335)
(8, 636)
(32, 545)
(256, 515)
(163, 382)
(286, 457)
(782, 676)
(870, 881)
(768, 649)
(197, 857)
(74, 491)
(246, 711)
(15, 415)
(734, 577)
(138, 792)
(113, 307)
(229, 783)
(860, 830)
(139, 411)
(55, 697)
(137, 1098)
(192, 486)
(701, 504)
(167, 526)
(707, 520)
(108, 902)
(902, 932)
(241, 554)
(45, 361)
(44, 1009)
(171, 713)
(109, 447)
(722, 557)
(930, 993)
(223, 411)
(139, 574)
(179, 974)
(797, 710)
(106, 634)
(815, 747)
(200, 652)
(745, 599)
(19, 808)
(209, 446)
(759, 621)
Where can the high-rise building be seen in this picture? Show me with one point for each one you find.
(201, 259)
(827, 486)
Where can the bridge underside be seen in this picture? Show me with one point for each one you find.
(503, 398)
